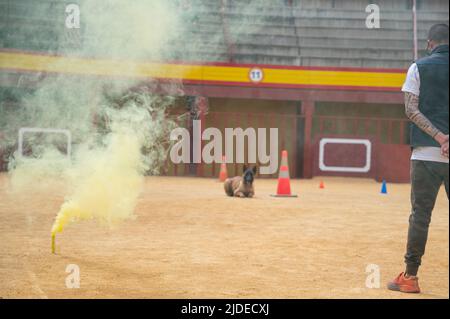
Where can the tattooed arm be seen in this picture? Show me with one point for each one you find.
(417, 117)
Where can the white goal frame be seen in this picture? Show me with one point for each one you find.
(27, 130)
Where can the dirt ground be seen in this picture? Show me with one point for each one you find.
(188, 240)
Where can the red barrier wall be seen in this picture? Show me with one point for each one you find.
(390, 162)
(393, 163)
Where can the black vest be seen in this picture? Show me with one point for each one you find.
(433, 100)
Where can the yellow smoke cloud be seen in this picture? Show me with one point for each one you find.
(107, 184)
(130, 133)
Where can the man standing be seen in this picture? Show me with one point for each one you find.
(426, 100)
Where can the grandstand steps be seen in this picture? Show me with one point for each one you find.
(392, 15)
(331, 23)
(312, 32)
(267, 59)
(355, 43)
(336, 53)
(258, 39)
(350, 62)
(261, 49)
(340, 33)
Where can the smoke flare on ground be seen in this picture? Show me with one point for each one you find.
(119, 126)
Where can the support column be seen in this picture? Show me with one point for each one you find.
(226, 31)
(202, 105)
(308, 112)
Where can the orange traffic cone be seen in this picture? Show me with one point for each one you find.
(223, 175)
(322, 185)
(284, 181)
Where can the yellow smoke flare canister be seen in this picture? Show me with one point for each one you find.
(62, 219)
(53, 243)
(102, 179)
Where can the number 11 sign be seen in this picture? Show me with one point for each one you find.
(256, 75)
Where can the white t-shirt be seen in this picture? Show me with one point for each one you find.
(425, 153)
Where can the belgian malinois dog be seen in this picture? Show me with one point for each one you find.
(241, 186)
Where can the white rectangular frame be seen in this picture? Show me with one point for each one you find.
(25, 130)
(344, 169)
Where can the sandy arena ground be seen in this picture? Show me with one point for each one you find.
(189, 240)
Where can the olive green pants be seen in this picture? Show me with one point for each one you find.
(426, 181)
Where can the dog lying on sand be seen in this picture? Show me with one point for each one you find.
(241, 186)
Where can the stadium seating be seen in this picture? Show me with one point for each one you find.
(306, 33)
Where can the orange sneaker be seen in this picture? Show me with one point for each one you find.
(405, 284)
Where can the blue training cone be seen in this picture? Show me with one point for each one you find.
(384, 187)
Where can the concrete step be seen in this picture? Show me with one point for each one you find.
(438, 17)
(265, 40)
(265, 12)
(260, 7)
(30, 29)
(33, 9)
(194, 57)
(30, 43)
(363, 63)
(387, 15)
(242, 20)
(281, 30)
(334, 53)
(263, 59)
(338, 33)
(350, 23)
(244, 39)
(343, 8)
(431, 6)
(267, 50)
(325, 42)
(199, 37)
(198, 48)
(262, 28)
(52, 20)
(337, 53)
(203, 27)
